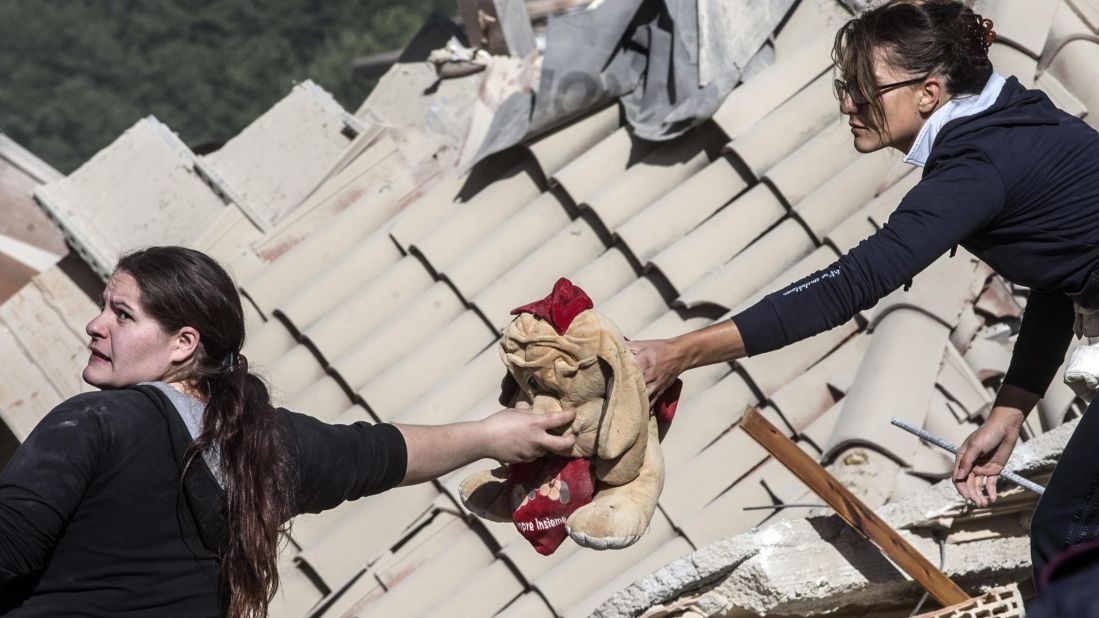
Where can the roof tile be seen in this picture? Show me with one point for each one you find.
(500, 248)
(428, 313)
(752, 269)
(724, 235)
(682, 209)
(408, 377)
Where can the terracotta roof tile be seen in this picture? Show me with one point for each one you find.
(664, 168)
(568, 251)
(502, 246)
(752, 269)
(682, 209)
(724, 235)
(404, 380)
(1025, 23)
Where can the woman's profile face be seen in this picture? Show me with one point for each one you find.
(901, 106)
(127, 346)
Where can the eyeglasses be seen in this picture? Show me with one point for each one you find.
(844, 89)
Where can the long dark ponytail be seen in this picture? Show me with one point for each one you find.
(182, 287)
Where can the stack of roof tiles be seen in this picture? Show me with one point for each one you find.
(378, 280)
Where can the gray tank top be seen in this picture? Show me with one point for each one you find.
(191, 411)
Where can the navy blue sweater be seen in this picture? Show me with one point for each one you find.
(1017, 185)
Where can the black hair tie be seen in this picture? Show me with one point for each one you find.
(230, 362)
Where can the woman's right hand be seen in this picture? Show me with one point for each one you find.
(984, 454)
(514, 436)
(660, 363)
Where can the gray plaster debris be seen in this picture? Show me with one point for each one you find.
(818, 564)
(139, 191)
(304, 132)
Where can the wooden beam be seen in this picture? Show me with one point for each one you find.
(852, 510)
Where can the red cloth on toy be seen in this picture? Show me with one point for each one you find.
(544, 492)
(564, 303)
(664, 406)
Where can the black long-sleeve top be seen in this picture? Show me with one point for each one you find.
(93, 521)
(1017, 185)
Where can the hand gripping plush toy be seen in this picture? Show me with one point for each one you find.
(560, 353)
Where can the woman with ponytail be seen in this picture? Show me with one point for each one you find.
(164, 494)
(1008, 176)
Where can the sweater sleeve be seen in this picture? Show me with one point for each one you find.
(343, 462)
(1044, 336)
(42, 486)
(959, 196)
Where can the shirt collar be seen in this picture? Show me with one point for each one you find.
(958, 107)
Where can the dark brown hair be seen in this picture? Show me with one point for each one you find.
(182, 287)
(942, 37)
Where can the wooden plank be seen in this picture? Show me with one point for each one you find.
(25, 393)
(852, 510)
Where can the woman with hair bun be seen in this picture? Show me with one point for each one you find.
(1008, 176)
(164, 493)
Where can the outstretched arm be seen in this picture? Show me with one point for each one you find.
(508, 436)
(662, 360)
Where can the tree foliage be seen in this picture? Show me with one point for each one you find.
(74, 74)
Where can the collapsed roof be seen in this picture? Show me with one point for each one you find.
(379, 272)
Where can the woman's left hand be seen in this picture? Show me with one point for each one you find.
(660, 364)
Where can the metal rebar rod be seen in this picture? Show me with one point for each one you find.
(937, 441)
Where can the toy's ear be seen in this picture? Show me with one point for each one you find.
(509, 390)
(623, 426)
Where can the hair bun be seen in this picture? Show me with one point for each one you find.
(981, 34)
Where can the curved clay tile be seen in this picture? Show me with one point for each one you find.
(307, 260)
(554, 151)
(810, 166)
(849, 190)
(752, 269)
(667, 166)
(447, 400)
(705, 417)
(384, 297)
(426, 364)
(755, 98)
(897, 375)
(682, 209)
(507, 244)
(585, 175)
(414, 325)
(721, 237)
(456, 233)
(791, 124)
(340, 280)
(1025, 23)
(326, 399)
(568, 250)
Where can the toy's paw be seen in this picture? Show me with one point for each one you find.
(609, 523)
(484, 494)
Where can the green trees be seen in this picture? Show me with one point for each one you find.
(76, 73)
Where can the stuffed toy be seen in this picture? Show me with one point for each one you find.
(560, 353)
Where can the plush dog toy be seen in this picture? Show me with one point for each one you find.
(561, 354)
